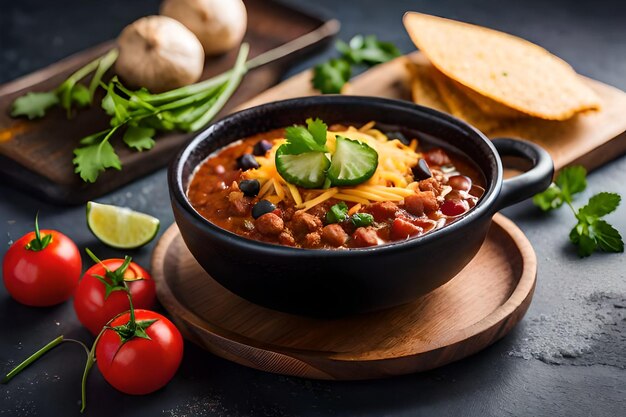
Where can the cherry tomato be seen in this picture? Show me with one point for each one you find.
(94, 309)
(140, 365)
(42, 268)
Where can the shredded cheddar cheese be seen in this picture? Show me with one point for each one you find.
(392, 180)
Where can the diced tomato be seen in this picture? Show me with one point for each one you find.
(365, 236)
(402, 228)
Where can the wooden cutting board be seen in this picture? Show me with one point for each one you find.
(36, 156)
(590, 139)
(476, 308)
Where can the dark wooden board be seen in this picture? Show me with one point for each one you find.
(36, 156)
(476, 308)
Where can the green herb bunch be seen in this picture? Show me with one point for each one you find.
(142, 114)
(591, 233)
(367, 51)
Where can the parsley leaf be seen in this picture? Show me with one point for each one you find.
(591, 233)
(34, 105)
(331, 76)
(302, 139)
(139, 138)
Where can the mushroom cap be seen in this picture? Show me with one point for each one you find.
(159, 53)
(219, 24)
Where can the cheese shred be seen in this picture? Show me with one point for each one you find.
(392, 181)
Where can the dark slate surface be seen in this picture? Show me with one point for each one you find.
(568, 356)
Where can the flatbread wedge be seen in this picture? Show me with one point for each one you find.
(509, 70)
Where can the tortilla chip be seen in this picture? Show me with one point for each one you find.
(462, 107)
(488, 106)
(423, 89)
(504, 68)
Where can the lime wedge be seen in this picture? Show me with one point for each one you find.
(121, 227)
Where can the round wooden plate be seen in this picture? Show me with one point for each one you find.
(476, 308)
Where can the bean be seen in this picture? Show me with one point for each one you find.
(454, 207)
(250, 188)
(460, 182)
(247, 161)
(261, 147)
(261, 208)
(421, 171)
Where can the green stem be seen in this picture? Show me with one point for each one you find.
(91, 359)
(37, 244)
(233, 82)
(260, 60)
(103, 66)
(32, 358)
(85, 71)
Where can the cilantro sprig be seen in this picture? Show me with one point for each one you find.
(140, 115)
(591, 233)
(69, 93)
(365, 51)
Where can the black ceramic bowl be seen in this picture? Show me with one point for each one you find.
(334, 282)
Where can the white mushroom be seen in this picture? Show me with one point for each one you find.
(219, 24)
(159, 53)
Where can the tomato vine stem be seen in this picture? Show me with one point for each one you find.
(32, 358)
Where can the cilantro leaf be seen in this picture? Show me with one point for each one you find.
(318, 130)
(337, 213)
(572, 180)
(608, 239)
(591, 233)
(362, 219)
(91, 160)
(550, 199)
(331, 76)
(368, 50)
(301, 139)
(34, 105)
(600, 205)
(139, 138)
(108, 105)
(94, 138)
(581, 238)
(81, 95)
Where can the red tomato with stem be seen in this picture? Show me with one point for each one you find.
(94, 307)
(133, 363)
(42, 268)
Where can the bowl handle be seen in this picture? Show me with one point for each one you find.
(529, 183)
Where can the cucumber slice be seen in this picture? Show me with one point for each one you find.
(353, 162)
(307, 169)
